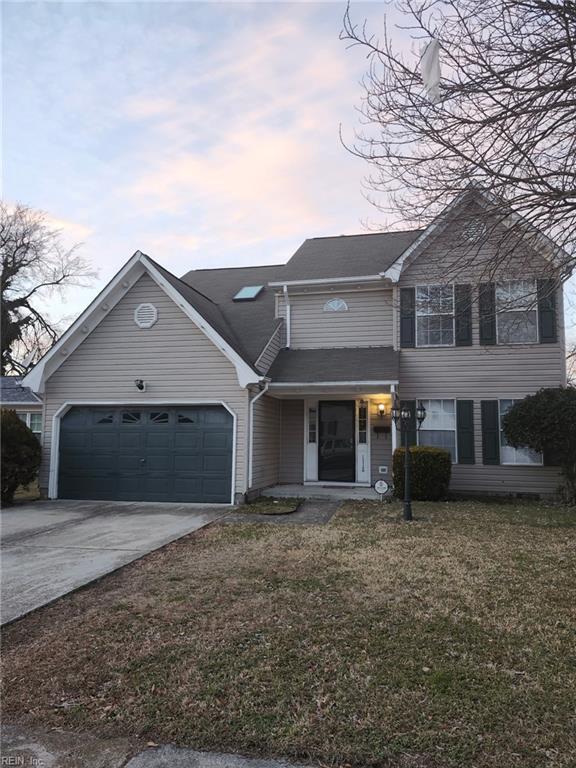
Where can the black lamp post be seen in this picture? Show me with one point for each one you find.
(404, 416)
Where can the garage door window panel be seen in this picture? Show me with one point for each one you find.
(159, 417)
(131, 417)
(103, 418)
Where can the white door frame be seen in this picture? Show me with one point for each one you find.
(310, 469)
(65, 407)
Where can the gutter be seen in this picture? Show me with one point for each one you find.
(288, 315)
(251, 428)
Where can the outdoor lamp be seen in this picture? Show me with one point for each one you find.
(420, 413)
(395, 412)
(402, 416)
(381, 410)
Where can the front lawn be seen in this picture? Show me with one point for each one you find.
(366, 642)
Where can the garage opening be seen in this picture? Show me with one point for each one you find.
(155, 453)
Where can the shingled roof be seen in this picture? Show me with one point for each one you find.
(252, 323)
(312, 366)
(12, 392)
(347, 255)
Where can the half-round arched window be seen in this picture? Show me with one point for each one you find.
(336, 305)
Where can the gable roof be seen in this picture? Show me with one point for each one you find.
(200, 309)
(209, 310)
(12, 392)
(507, 218)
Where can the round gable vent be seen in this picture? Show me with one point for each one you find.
(145, 315)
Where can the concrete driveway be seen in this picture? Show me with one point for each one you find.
(50, 548)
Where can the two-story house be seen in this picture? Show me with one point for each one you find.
(228, 381)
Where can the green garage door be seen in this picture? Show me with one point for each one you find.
(146, 454)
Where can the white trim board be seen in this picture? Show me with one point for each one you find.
(107, 299)
(329, 280)
(66, 406)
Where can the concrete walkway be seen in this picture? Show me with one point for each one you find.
(311, 512)
(50, 548)
(326, 492)
(59, 749)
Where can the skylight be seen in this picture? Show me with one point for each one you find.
(248, 293)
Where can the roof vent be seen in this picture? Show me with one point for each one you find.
(145, 315)
(474, 231)
(248, 293)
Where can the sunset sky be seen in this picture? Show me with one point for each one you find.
(204, 134)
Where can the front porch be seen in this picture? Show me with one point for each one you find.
(334, 443)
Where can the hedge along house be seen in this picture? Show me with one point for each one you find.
(229, 381)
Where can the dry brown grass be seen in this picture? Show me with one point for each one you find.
(447, 642)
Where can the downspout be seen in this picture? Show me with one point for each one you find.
(288, 315)
(251, 428)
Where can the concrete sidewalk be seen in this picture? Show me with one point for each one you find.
(23, 746)
(50, 548)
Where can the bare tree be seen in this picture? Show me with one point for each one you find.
(34, 265)
(504, 119)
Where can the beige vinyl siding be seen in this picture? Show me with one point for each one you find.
(466, 373)
(266, 442)
(292, 442)
(270, 351)
(482, 372)
(174, 357)
(367, 323)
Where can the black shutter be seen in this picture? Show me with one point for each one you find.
(552, 458)
(465, 431)
(407, 317)
(463, 315)
(547, 311)
(490, 432)
(487, 310)
(411, 405)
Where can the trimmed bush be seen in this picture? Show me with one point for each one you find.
(546, 422)
(21, 454)
(431, 470)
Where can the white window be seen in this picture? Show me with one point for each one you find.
(517, 316)
(434, 315)
(439, 427)
(336, 305)
(33, 421)
(509, 455)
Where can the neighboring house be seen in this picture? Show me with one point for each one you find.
(228, 381)
(21, 399)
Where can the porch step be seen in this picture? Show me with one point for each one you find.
(319, 492)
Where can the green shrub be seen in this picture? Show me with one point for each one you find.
(431, 469)
(546, 422)
(21, 454)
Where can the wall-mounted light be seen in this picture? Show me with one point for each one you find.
(140, 384)
(381, 410)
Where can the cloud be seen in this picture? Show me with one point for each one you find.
(249, 147)
(71, 230)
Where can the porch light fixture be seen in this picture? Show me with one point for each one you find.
(381, 410)
(140, 384)
(403, 416)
